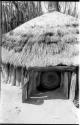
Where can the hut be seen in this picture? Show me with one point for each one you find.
(43, 51)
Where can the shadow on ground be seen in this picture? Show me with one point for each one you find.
(39, 97)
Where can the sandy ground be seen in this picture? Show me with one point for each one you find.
(49, 107)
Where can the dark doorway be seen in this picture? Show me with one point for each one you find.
(49, 80)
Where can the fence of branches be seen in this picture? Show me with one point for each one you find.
(15, 13)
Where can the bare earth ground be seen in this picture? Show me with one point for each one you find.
(55, 110)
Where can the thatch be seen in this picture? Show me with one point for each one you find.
(50, 39)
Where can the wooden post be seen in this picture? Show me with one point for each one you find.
(13, 76)
(65, 85)
(5, 73)
(72, 88)
(38, 80)
(25, 89)
(22, 77)
(24, 92)
(9, 79)
(2, 73)
(30, 86)
(18, 76)
(69, 82)
(76, 98)
(62, 80)
(34, 82)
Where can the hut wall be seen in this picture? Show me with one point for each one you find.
(18, 76)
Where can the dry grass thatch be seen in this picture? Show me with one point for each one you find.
(50, 39)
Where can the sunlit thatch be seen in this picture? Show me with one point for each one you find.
(50, 39)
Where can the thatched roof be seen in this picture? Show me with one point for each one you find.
(48, 40)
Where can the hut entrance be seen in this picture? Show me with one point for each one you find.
(47, 79)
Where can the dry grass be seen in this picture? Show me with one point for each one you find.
(46, 40)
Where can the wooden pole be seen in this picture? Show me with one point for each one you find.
(25, 89)
(24, 92)
(18, 76)
(5, 73)
(69, 82)
(13, 76)
(38, 80)
(76, 98)
(65, 85)
(72, 88)
(22, 77)
(30, 86)
(34, 82)
(62, 80)
(9, 79)
(2, 73)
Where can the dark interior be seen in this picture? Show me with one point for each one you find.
(49, 80)
(48, 91)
